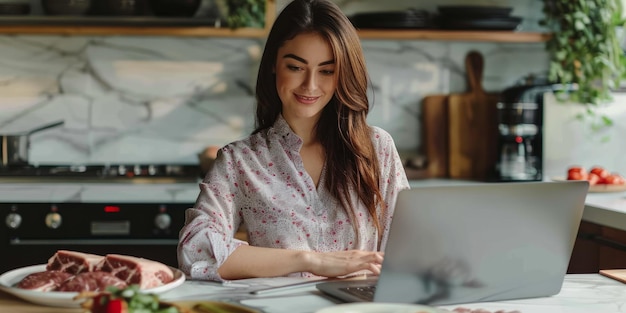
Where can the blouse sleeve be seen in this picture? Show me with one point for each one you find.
(207, 239)
(393, 177)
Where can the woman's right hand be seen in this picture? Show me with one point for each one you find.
(341, 263)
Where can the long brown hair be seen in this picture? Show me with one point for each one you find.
(351, 162)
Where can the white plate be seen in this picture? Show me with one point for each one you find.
(598, 187)
(372, 307)
(9, 279)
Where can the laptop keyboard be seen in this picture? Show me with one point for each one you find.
(363, 292)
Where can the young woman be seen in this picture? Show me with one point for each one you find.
(314, 185)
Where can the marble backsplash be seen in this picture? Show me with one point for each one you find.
(127, 99)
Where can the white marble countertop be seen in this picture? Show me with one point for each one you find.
(99, 192)
(608, 209)
(580, 293)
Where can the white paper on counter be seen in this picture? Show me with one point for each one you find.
(195, 289)
(246, 288)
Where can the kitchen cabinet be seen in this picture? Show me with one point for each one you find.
(598, 247)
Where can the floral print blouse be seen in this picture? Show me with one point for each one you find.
(261, 182)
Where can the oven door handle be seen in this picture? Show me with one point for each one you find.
(98, 242)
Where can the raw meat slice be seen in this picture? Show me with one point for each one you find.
(145, 273)
(91, 281)
(73, 262)
(44, 281)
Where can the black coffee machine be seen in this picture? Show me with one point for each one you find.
(520, 133)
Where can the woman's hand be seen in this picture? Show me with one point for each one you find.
(250, 261)
(340, 263)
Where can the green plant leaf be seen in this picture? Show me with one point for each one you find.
(585, 49)
(246, 13)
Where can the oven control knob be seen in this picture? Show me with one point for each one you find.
(53, 220)
(162, 221)
(13, 220)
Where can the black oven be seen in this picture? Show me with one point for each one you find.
(32, 232)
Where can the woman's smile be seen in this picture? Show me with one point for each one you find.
(306, 100)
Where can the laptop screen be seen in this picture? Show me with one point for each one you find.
(480, 242)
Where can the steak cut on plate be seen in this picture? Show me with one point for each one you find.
(44, 281)
(73, 262)
(91, 281)
(145, 273)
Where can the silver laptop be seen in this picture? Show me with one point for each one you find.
(474, 243)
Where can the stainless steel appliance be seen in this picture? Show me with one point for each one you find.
(133, 209)
(520, 131)
(520, 136)
(519, 142)
(31, 232)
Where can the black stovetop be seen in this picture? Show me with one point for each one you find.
(177, 172)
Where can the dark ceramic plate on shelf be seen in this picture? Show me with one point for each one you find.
(66, 7)
(179, 8)
(505, 23)
(398, 24)
(144, 21)
(14, 9)
(392, 19)
(466, 11)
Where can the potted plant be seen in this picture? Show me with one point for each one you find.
(585, 50)
(243, 13)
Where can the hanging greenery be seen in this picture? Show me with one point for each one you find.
(245, 13)
(585, 49)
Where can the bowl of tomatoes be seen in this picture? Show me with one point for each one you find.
(600, 179)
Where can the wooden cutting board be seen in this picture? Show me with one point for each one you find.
(472, 136)
(617, 274)
(435, 134)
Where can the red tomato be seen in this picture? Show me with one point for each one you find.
(600, 171)
(576, 169)
(577, 176)
(117, 306)
(614, 179)
(593, 179)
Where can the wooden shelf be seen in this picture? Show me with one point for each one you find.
(208, 31)
(199, 31)
(455, 35)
